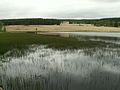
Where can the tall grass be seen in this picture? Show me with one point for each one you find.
(9, 41)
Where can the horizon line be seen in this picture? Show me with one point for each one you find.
(58, 18)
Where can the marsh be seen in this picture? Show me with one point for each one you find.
(46, 68)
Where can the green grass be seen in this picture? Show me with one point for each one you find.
(9, 41)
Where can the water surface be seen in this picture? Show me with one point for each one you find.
(42, 68)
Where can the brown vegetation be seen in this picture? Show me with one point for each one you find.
(61, 28)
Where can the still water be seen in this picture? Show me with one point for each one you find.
(42, 68)
(105, 34)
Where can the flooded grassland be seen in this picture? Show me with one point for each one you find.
(93, 63)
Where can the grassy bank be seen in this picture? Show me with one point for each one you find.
(9, 41)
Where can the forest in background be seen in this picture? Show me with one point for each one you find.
(107, 22)
(31, 21)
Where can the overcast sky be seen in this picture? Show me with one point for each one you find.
(59, 8)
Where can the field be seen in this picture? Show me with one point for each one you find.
(61, 28)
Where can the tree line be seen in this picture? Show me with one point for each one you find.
(107, 22)
(34, 21)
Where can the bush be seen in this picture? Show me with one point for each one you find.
(2, 27)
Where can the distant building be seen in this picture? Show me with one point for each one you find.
(65, 23)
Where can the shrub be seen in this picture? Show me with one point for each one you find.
(2, 27)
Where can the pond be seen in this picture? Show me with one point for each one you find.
(42, 68)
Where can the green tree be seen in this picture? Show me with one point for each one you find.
(116, 24)
(4, 29)
(1, 26)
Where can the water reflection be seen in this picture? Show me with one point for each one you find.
(96, 34)
(91, 36)
(44, 68)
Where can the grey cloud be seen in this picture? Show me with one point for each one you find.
(90, 13)
(77, 14)
(15, 12)
(107, 1)
(98, 11)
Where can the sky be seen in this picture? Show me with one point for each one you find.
(74, 9)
